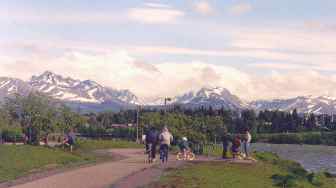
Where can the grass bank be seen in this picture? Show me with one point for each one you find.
(21, 160)
(269, 172)
(312, 138)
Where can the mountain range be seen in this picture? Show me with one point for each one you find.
(88, 95)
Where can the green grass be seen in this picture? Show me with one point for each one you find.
(17, 161)
(259, 175)
(89, 145)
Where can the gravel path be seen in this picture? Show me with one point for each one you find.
(129, 172)
(98, 176)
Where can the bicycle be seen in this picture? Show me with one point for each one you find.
(189, 156)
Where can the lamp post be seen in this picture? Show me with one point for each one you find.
(167, 99)
(137, 124)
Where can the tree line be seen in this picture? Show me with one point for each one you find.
(36, 116)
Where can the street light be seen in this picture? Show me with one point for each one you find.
(137, 124)
(165, 108)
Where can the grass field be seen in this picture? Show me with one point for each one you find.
(259, 175)
(17, 161)
(20, 160)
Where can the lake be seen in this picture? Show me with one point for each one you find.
(311, 157)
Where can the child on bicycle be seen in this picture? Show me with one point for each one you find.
(184, 146)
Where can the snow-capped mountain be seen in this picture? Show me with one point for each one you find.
(91, 96)
(216, 97)
(87, 91)
(10, 86)
(85, 94)
(303, 104)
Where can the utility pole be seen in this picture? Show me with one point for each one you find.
(137, 124)
(165, 108)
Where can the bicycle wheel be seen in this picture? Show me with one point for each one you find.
(190, 156)
(179, 156)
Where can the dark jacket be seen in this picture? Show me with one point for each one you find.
(152, 136)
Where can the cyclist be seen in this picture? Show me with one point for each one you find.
(151, 141)
(165, 139)
(184, 146)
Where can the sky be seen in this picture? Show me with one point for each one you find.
(258, 49)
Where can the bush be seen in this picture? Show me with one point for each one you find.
(286, 139)
(12, 135)
(312, 138)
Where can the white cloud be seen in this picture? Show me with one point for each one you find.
(203, 7)
(154, 15)
(157, 5)
(119, 69)
(42, 17)
(240, 9)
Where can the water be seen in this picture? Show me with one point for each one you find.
(312, 158)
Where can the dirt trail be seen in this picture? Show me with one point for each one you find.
(126, 173)
(98, 176)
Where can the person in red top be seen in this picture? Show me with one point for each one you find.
(236, 146)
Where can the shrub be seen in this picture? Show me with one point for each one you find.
(12, 135)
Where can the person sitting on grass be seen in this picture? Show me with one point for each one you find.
(70, 139)
(184, 147)
(236, 147)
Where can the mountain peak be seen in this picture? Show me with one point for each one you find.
(217, 97)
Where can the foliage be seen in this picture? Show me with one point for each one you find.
(37, 116)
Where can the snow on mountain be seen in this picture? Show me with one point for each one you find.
(93, 95)
(216, 97)
(10, 86)
(303, 104)
(87, 91)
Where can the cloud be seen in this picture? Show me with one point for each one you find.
(157, 14)
(157, 5)
(120, 69)
(203, 7)
(240, 9)
(63, 17)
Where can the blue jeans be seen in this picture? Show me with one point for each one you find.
(246, 146)
(164, 152)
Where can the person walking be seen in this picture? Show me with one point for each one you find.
(166, 138)
(246, 143)
(152, 138)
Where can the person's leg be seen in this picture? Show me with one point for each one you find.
(247, 145)
(166, 152)
(245, 148)
(153, 150)
(224, 155)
